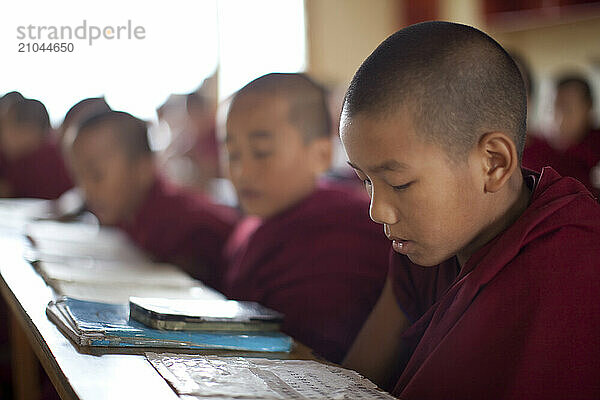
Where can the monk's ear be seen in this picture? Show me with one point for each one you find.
(498, 154)
(321, 153)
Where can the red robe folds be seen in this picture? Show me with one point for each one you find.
(40, 174)
(522, 318)
(576, 161)
(184, 228)
(322, 263)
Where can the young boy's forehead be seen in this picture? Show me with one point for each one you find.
(258, 116)
(99, 138)
(258, 101)
(252, 136)
(571, 91)
(383, 143)
(370, 126)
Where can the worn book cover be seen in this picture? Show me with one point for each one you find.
(204, 315)
(90, 323)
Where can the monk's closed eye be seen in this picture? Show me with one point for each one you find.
(259, 155)
(400, 188)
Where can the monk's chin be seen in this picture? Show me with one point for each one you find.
(424, 261)
(261, 211)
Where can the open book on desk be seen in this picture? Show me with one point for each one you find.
(16, 213)
(58, 241)
(65, 208)
(95, 263)
(108, 325)
(115, 281)
(120, 292)
(259, 378)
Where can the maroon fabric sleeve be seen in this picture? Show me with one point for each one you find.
(332, 282)
(41, 174)
(184, 228)
(323, 264)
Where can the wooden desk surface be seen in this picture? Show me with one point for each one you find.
(78, 375)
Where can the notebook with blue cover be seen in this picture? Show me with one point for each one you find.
(90, 323)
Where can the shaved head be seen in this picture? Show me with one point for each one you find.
(8, 99)
(31, 112)
(85, 109)
(130, 132)
(307, 100)
(454, 82)
(578, 82)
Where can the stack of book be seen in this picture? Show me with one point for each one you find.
(204, 315)
(95, 324)
(95, 270)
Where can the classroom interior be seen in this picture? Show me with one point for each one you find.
(187, 135)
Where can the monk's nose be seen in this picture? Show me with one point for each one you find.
(381, 210)
(245, 171)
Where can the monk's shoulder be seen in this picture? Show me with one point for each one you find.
(41, 173)
(331, 221)
(173, 212)
(337, 201)
(189, 204)
(561, 200)
(551, 250)
(333, 211)
(563, 247)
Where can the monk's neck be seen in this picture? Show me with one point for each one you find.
(517, 206)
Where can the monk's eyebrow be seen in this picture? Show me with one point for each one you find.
(390, 165)
(253, 135)
(260, 135)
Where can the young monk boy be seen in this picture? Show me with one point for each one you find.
(31, 164)
(114, 166)
(305, 249)
(493, 289)
(574, 149)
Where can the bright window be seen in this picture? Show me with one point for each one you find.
(179, 44)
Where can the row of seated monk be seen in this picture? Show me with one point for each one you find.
(572, 144)
(489, 287)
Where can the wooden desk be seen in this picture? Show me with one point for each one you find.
(78, 375)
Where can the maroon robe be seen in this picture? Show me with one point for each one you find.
(576, 161)
(40, 174)
(184, 228)
(322, 263)
(521, 320)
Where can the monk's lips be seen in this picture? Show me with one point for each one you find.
(401, 246)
